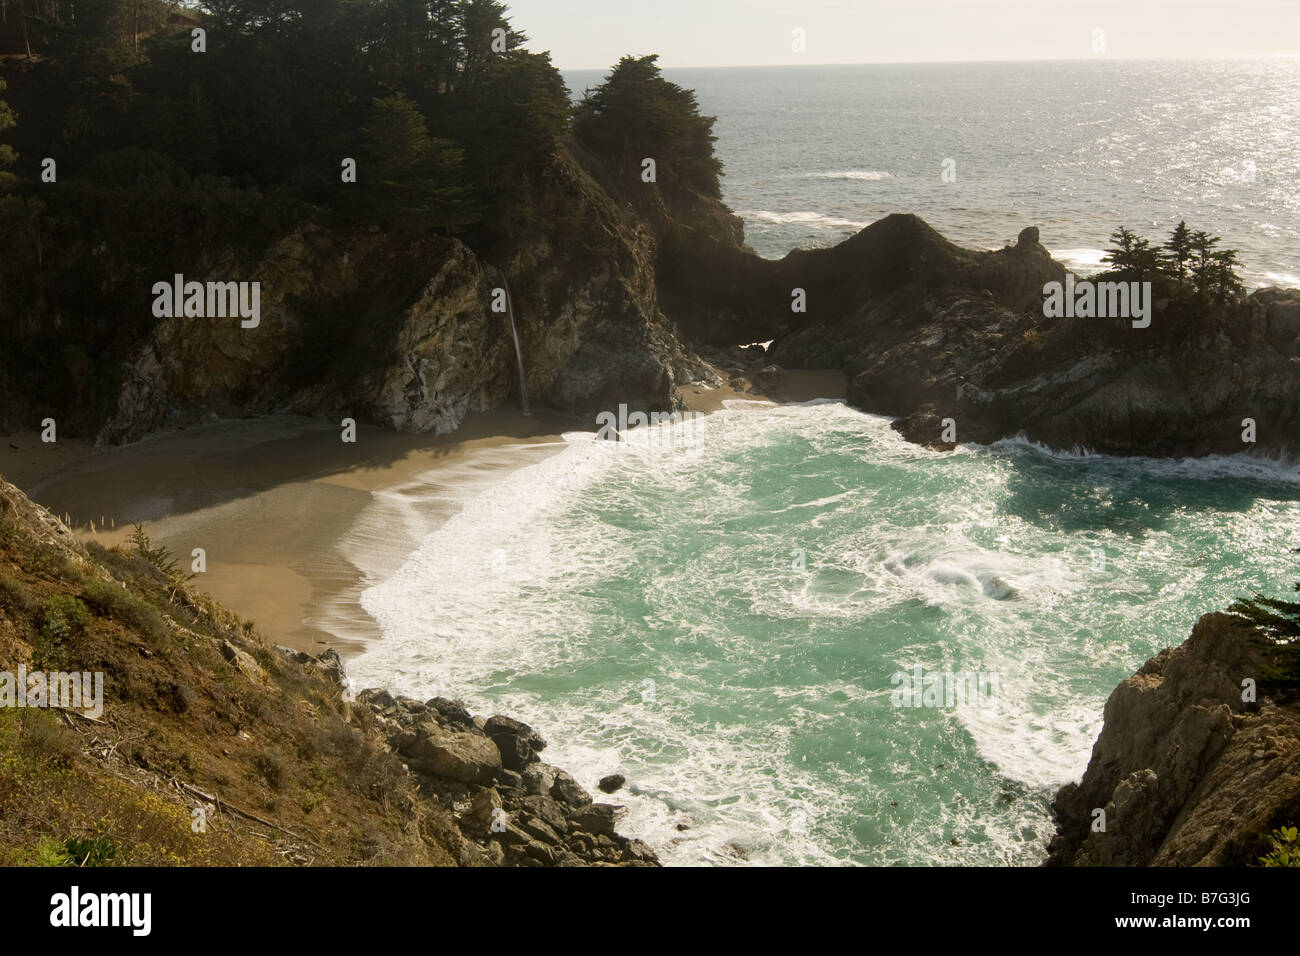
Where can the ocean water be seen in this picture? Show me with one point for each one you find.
(813, 154)
(718, 611)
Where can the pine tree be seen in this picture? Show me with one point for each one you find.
(1179, 249)
(1204, 268)
(1132, 257)
(1277, 624)
(412, 181)
(1227, 284)
(637, 114)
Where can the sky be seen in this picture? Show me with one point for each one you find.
(590, 34)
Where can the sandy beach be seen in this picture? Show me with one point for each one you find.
(294, 523)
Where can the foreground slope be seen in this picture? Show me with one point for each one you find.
(215, 748)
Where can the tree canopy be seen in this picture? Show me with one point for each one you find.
(636, 114)
(1187, 257)
(172, 154)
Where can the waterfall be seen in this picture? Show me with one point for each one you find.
(519, 352)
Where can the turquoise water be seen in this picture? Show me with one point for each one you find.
(717, 613)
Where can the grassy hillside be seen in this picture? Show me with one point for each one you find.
(199, 712)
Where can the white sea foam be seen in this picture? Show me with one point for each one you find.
(803, 217)
(762, 585)
(865, 175)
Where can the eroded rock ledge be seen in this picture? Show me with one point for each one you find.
(1187, 773)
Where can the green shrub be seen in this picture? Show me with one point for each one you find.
(47, 852)
(74, 851)
(90, 851)
(269, 765)
(121, 605)
(63, 617)
(15, 595)
(1286, 848)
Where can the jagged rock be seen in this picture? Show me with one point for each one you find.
(569, 791)
(924, 427)
(380, 700)
(1028, 237)
(540, 852)
(1174, 768)
(1279, 310)
(485, 802)
(539, 829)
(640, 851)
(612, 783)
(510, 835)
(298, 657)
(452, 710)
(330, 664)
(547, 810)
(519, 744)
(454, 754)
(596, 818)
(539, 778)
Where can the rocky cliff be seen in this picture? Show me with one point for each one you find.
(1189, 769)
(405, 335)
(618, 302)
(927, 330)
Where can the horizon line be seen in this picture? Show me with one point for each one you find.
(1058, 59)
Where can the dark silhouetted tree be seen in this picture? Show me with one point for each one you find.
(1179, 249)
(636, 114)
(1132, 257)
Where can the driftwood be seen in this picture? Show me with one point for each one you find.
(222, 804)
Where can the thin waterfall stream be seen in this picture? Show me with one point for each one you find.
(519, 352)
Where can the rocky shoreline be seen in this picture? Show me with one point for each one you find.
(510, 807)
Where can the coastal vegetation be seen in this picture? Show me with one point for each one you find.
(195, 702)
(210, 746)
(1192, 261)
(128, 157)
(1277, 625)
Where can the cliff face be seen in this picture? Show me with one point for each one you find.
(211, 747)
(615, 302)
(1186, 772)
(353, 324)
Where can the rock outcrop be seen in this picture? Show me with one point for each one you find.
(1186, 772)
(198, 718)
(927, 331)
(512, 807)
(407, 336)
(616, 305)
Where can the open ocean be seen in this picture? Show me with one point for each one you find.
(813, 154)
(723, 621)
